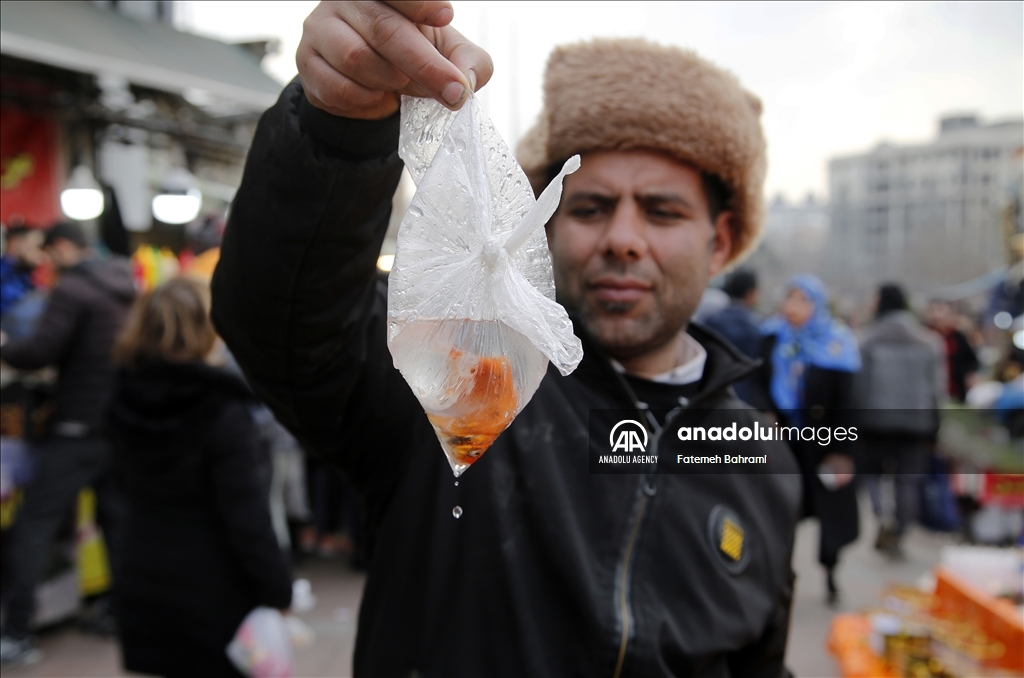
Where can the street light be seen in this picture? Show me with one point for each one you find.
(82, 197)
(179, 200)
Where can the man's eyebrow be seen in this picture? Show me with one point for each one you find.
(654, 198)
(592, 195)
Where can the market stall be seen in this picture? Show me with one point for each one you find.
(969, 621)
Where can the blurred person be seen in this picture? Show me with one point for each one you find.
(288, 493)
(1008, 295)
(961, 360)
(23, 254)
(900, 387)
(335, 529)
(76, 333)
(289, 499)
(712, 301)
(810, 361)
(199, 546)
(287, 487)
(740, 324)
(1009, 407)
(550, 570)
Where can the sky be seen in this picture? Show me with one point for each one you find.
(835, 78)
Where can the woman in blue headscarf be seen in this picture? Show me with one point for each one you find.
(809, 360)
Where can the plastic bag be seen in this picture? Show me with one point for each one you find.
(472, 318)
(261, 647)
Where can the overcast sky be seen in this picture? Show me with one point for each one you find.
(835, 78)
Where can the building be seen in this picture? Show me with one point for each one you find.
(929, 215)
(114, 88)
(795, 236)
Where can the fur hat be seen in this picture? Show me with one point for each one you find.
(631, 93)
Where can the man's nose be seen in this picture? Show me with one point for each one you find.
(623, 238)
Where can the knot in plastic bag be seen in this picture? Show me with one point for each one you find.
(493, 253)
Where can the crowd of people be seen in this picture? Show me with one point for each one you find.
(212, 417)
(890, 378)
(199, 490)
(153, 414)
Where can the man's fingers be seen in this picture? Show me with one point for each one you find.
(345, 50)
(428, 13)
(467, 56)
(332, 91)
(414, 90)
(401, 43)
(355, 57)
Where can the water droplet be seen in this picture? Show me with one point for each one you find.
(456, 483)
(415, 211)
(457, 512)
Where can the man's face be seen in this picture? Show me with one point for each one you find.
(27, 248)
(752, 297)
(939, 316)
(633, 247)
(63, 253)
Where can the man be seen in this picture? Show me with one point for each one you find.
(21, 258)
(900, 387)
(76, 334)
(961, 360)
(550, 570)
(738, 322)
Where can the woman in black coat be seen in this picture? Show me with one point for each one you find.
(807, 377)
(199, 550)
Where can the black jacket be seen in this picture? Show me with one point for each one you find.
(550, 571)
(738, 323)
(829, 399)
(199, 551)
(76, 333)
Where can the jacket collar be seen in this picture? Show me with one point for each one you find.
(725, 364)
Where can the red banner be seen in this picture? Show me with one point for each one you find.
(1005, 489)
(30, 181)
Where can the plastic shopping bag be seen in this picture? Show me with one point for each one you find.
(472, 318)
(261, 647)
(93, 564)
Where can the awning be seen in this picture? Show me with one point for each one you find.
(980, 285)
(80, 36)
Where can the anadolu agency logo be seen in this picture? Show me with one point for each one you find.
(628, 435)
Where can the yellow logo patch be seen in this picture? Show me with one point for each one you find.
(732, 540)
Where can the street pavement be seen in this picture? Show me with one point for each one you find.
(862, 575)
(69, 653)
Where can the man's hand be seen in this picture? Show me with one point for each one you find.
(842, 466)
(356, 58)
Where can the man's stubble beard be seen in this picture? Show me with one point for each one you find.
(626, 338)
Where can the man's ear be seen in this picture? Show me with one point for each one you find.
(721, 243)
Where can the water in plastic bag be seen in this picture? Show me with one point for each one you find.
(472, 318)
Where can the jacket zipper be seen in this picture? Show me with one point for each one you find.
(624, 602)
(624, 606)
(648, 481)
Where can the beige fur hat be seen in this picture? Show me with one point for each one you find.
(631, 93)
